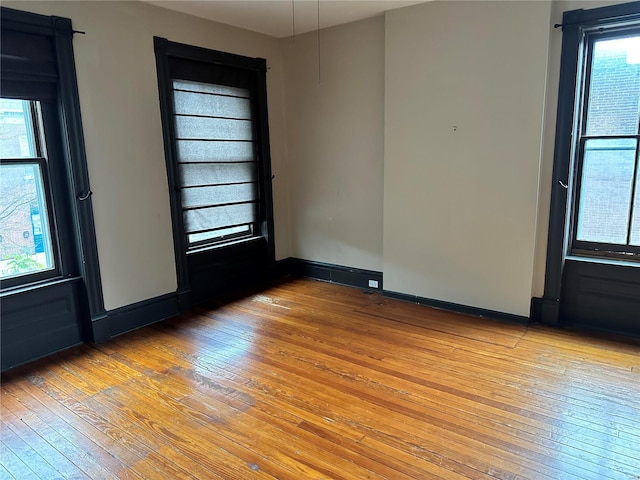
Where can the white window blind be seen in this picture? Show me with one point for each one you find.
(217, 166)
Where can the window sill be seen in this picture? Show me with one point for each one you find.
(604, 261)
(36, 285)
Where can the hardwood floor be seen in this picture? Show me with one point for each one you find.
(308, 380)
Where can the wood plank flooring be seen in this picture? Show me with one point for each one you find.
(308, 380)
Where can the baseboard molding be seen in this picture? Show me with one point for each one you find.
(184, 300)
(131, 317)
(100, 331)
(281, 269)
(545, 311)
(134, 316)
(349, 276)
(455, 307)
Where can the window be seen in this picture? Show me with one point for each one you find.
(216, 160)
(216, 139)
(594, 216)
(26, 252)
(606, 218)
(49, 274)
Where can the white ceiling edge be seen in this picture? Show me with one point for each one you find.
(277, 18)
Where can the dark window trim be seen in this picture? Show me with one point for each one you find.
(574, 23)
(579, 247)
(165, 49)
(70, 124)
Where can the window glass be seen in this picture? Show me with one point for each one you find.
(607, 211)
(605, 194)
(25, 245)
(25, 233)
(614, 89)
(16, 133)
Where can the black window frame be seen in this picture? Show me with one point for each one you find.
(582, 247)
(164, 51)
(573, 25)
(53, 83)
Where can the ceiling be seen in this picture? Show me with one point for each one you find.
(278, 17)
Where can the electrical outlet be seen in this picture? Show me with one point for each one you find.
(373, 283)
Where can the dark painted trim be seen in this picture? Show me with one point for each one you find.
(457, 308)
(73, 140)
(82, 228)
(27, 22)
(184, 300)
(168, 134)
(268, 224)
(601, 15)
(574, 23)
(349, 276)
(38, 357)
(601, 295)
(100, 331)
(39, 320)
(556, 239)
(147, 312)
(207, 55)
(137, 315)
(74, 222)
(165, 52)
(281, 268)
(545, 311)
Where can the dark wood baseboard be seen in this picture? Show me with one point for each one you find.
(455, 307)
(134, 316)
(545, 311)
(349, 276)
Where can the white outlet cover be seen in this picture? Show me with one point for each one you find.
(373, 283)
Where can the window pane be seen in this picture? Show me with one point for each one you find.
(217, 173)
(219, 217)
(614, 91)
(605, 194)
(635, 222)
(240, 231)
(25, 237)
(16, 136)
(197, 151)
(191, 103)
(218, 195)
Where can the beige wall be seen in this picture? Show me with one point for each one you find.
(460, 203)
(335, 129)
(120, 111)
(465, 212)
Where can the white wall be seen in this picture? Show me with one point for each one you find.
(460, 206)
(120, 111)
(335, 130)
